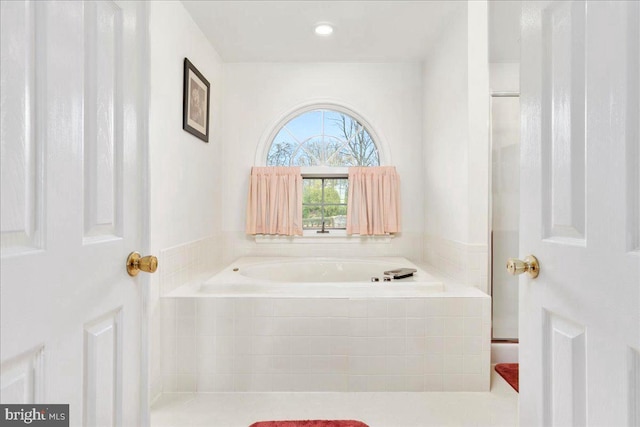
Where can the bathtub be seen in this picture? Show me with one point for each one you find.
(318, 278)
(320, 324)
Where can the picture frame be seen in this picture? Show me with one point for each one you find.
(196, 102)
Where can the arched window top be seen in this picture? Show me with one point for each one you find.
(323, 137)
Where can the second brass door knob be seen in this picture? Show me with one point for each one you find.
(529, 265)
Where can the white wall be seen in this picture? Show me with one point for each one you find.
(184, 171)
(185, 178)
(478, 113)
(455, 138)
(445, 127)
(257, 95)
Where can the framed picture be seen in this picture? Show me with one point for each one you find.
(195, 108)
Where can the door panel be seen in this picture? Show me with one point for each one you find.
(633, 403)
(563, 154)
(633, 130)
(22, 378)
(73, 99)
(580, 319)
(21, 163)
(564, 371)
(103, 370)
(103, 121)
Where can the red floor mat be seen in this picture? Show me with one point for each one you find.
(509, 371)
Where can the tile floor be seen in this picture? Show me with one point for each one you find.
(499, 407)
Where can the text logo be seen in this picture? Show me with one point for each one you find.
(34, 415)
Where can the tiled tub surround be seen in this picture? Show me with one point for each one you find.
(464, 262)
(187, 262)
(436, 342)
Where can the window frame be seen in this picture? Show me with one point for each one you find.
(323, 204)
(359, 141)
(262, 151)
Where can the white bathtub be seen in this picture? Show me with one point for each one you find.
(318, 278)
(320, 324)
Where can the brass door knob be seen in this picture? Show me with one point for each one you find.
(530, 265)
(136, 262)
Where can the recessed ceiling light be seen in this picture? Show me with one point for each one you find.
(324, 29)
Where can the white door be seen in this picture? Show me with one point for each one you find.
(72, 199)
(580, 214)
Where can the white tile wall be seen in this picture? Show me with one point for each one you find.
(170, 318)
(183, 263)
(466, 263)
(322, 344)
(408, 244)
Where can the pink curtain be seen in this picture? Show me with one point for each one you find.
(274, 205)
(374, 200)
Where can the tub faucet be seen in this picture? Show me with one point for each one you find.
(322, 230)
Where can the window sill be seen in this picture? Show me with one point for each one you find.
(334, 236)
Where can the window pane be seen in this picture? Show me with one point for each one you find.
(311, 203)
(311, 217)
(314, 151)
(336, 190)
(304, 157)
(323, 138)
(324, 199)
(333, 147)
(335, 216)
(339, 125)
(282, 148)
(306, 125)
(311, 191)
(360, 151)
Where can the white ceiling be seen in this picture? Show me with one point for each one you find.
(282, 31)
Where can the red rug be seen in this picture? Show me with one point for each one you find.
(509, 371)
(310, 423)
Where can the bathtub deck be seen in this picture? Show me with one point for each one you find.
(499, 407)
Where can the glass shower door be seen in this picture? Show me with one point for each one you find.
(505, 211)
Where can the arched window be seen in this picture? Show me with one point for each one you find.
(323, 137)
(332, 139)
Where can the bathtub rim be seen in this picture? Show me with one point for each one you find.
(249, 262)
(451, 287)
